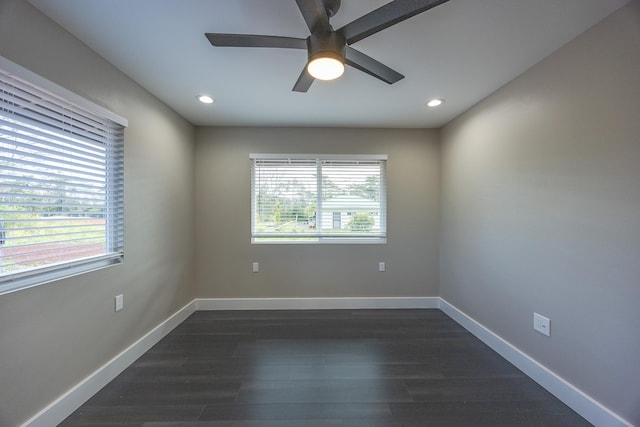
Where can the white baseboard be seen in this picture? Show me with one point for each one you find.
(66, 404)
(316, 303)
(590, 409)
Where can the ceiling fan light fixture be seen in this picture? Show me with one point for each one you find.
(325, 68)
(326, 55)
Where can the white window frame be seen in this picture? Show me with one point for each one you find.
(319, 238)
(11, 281)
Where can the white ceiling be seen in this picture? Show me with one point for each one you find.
(462, 51)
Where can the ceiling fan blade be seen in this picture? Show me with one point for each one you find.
(370, 66)
(384, 17)
(314, 15)
(250, 40)
(304, 81)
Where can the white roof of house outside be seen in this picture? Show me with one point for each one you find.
(350, 203)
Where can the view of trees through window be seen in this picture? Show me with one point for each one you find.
(290, 201)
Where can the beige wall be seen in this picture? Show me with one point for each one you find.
(223, 220)
(541, 212)
(53, 336)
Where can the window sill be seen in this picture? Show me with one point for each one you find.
(29, 279)
(322, 241)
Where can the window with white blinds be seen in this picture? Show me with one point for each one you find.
(318, 198)
(61, 186)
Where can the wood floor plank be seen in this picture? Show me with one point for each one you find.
(488, 413)
(113, 414)
(251, 423)
(324, 391)
(296, 411)
(494, 389)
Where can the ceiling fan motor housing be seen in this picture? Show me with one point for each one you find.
(326, 44)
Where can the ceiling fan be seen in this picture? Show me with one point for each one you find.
(328, 49)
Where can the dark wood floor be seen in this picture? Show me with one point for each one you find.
(346, 368)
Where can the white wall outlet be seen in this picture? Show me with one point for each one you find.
(542, 324)
(255, 267)
(119, 302)
(381, 266)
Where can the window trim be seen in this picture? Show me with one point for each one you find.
(19, 280)
(20, 72)
(321, 239)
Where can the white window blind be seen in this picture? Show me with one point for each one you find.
(61, 186)
(312, 198)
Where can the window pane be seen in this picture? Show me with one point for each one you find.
(351, 198)
(285, 198)
(61, 184)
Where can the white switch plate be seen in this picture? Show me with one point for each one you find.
(256, 267)
(542, 324)
(381, 266)
(119, 300)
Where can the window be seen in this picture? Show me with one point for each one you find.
(318, 198)
(61, 183)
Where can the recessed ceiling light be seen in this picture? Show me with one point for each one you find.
(435, 102)
(205, 99)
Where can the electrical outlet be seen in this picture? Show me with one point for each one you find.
(256, 267)
(381, 266)
(119, 302)
(542, 324)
